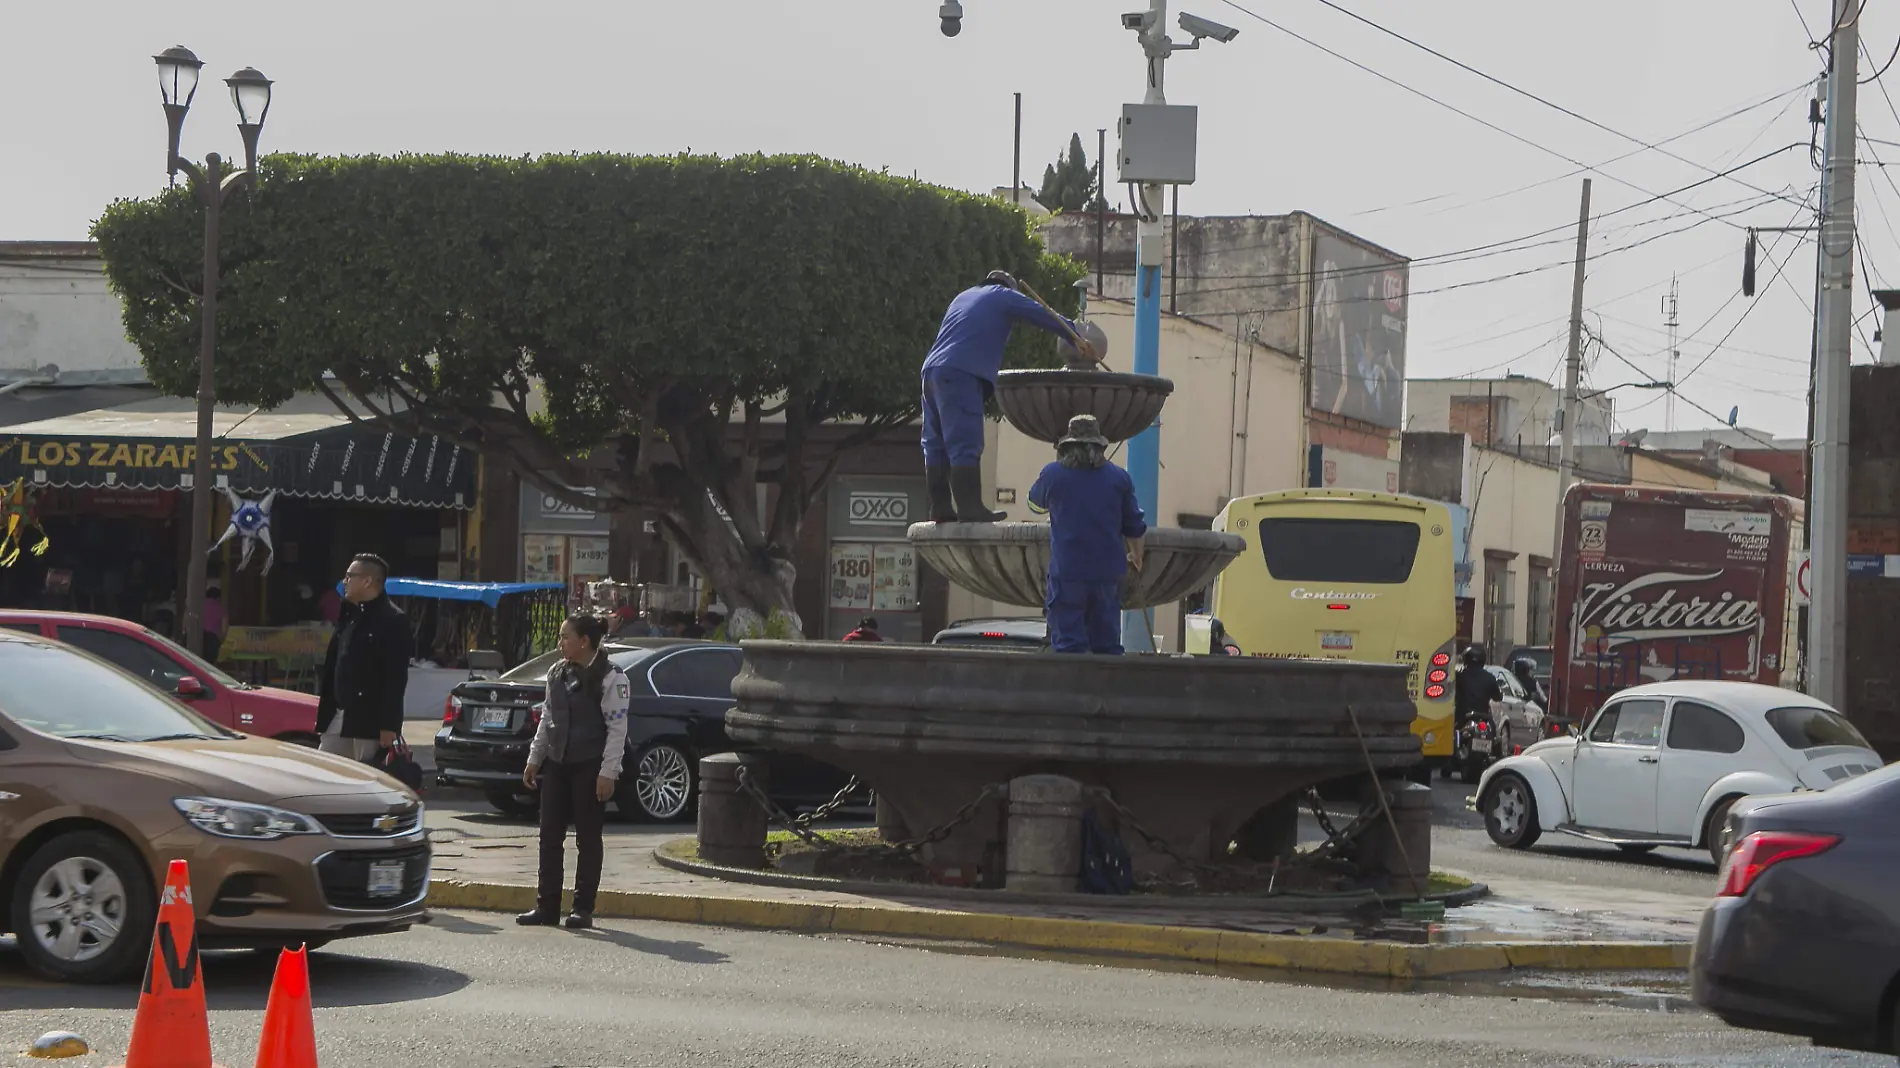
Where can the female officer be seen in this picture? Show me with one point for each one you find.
(574, 760)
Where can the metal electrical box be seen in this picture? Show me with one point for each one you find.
(1157, 143)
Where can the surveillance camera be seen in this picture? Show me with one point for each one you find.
(1201, 27)
(1135, 20)
(952, 15)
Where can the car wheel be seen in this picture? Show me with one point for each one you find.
(513, 800)
(663, 783)
(1715, 832)
(1510, 812)
(83, 909)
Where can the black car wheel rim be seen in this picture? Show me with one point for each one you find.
(663, 782)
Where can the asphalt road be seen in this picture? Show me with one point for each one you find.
(472, 992)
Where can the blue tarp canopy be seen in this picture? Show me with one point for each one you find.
(488, 593)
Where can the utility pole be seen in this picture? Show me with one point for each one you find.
(1671, 323)
(1573, 368)
(1101, 195)
(1827, 507)
(1151, 233)
(1016, 169)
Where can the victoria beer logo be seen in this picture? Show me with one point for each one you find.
(1664, 604)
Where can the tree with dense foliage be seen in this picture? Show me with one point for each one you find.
(1069, 183)
(697, 318)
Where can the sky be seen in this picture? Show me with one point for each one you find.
(1284, 126)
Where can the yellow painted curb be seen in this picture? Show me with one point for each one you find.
(1395, 960)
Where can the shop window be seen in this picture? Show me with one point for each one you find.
(128, 654)
(1500, 606)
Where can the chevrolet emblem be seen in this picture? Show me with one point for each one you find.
(385, 823)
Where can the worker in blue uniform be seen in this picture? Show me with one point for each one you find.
(1095, 531)
(958, 377)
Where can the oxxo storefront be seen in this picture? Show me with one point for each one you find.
(112, 488)
(562, 543)
(873, 570)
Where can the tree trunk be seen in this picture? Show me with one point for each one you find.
(756, 586)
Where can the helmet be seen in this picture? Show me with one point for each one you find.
(1524, 666)
(1474, 655)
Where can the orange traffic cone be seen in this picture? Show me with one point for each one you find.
(290, 1035)
(170, 1030)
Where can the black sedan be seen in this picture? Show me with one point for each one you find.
(1804, 935)
(681, 691)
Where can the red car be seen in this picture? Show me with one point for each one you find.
(169, 667)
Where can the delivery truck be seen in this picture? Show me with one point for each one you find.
(1659, 584)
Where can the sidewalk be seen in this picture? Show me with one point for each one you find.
(484, 863)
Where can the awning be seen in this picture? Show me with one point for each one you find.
(488, 593)
(149, 446)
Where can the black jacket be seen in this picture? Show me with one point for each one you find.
(375, 670)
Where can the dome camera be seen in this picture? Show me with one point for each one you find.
(952, 15)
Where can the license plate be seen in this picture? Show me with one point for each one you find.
(1335, 641)
(385, 878)
(1481, 745)
(494, 719)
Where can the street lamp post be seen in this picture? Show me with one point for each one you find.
(250, 92)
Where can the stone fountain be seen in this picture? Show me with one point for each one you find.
(1200, 749)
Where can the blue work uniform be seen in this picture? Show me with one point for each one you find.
(960, 372)
(1091, 509)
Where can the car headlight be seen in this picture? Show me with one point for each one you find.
(241, 819)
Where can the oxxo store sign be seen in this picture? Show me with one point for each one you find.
(873, 570)
(560, 542)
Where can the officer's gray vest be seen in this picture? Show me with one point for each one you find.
(577, 729)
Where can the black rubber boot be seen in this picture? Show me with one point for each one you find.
(943, 508)
(966, 483)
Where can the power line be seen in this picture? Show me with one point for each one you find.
(1450, 107)
(1501, 83)
(1786, 96)
(1739, 320)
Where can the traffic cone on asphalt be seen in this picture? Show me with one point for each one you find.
(170, 1029)
(290, 1034)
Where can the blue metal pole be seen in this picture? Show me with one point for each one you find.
(1144, 449)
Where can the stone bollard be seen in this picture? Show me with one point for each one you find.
(731, 824)
(890, 822)
(1045, 834)
(1411, 806)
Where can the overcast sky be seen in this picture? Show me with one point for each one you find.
(1284, 126)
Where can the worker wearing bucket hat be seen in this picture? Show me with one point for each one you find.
(959, 375)
(1095, 530)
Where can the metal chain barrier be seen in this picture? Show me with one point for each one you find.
(801, 825)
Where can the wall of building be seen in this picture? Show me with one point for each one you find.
(55, 308)
(1502, 412)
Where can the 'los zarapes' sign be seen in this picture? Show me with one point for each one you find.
(120, 453)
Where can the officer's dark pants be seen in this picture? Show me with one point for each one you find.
(1085, 617)
(567, 797)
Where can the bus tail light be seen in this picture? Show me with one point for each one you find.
(1441, 660)
(1435, 692)
(1440, 674)
(1437, 675)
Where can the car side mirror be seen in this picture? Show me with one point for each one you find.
(190, 689)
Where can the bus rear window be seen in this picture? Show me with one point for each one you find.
(1339, 550)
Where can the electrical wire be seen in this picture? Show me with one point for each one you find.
(1486, 123)
(1786, 97)
(1520, 91)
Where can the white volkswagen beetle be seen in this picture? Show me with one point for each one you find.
(1660, 765)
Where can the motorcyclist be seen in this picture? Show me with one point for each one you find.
(1526, 671)
(1477, 688)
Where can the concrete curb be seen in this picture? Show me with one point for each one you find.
(1289, 904)
(1392, 960)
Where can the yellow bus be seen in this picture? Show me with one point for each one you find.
(1346, 575)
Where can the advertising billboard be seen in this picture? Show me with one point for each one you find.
(1358, 345)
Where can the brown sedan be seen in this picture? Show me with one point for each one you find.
(103, 782)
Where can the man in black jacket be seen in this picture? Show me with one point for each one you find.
(366, 670)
